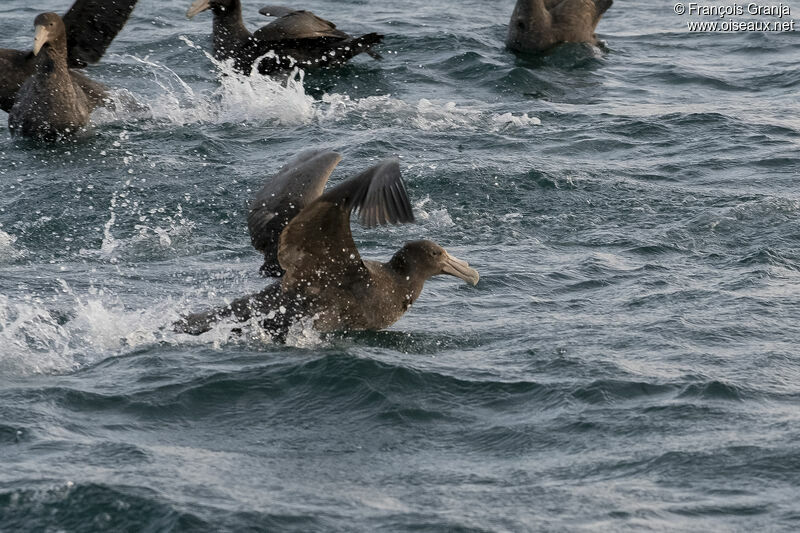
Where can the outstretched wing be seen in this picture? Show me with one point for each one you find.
(294, 25)
(92, 25)
(317, 244)
(296, 185)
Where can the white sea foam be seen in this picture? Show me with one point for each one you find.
(520, 121)
(303, 335)
(8, 248)
(435, 218)
(425, 114)
(102, 321)
(72, 329)
(93, 326)
(238, 98)
(261, 99)
(32, 339)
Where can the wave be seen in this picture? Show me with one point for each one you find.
(10, 434)
(92, 507)
(84, 507)
(309, 386)
(288, 382)
(610, 391)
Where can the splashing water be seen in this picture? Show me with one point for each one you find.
(31, 338)
(70, 330)
(36, 341)
(303, 335)
(425, 115)
(109, 243)
(436, 218)
(256, 98)
(8, 250)
(238, 99)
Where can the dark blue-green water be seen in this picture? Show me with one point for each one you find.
(628, 361)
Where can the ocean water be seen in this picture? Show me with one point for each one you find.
(628, 362)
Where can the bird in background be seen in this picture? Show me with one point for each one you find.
(295, 38)
(90, 27)
(539, 25)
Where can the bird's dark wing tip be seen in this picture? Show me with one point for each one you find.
(385, 199)
(92, 25)
(285, 193)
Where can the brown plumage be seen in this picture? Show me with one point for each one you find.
(49, 104)
(538, 25)
(301, 181)
(296, 37)
(325, 277)
(91, 25)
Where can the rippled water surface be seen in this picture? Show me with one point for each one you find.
(628, 361)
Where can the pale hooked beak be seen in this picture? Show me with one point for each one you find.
(460, 269)
(198, 6)
(42, 36)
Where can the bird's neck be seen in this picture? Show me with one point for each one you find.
(230, 33)
(405, 276)
(52, 60)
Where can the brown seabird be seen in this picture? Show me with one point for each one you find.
(325, 277)
(296, 37)
(91, 25)
(538, 25)
(50, 104)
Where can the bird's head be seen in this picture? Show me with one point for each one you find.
(50, 32)
(426, 258)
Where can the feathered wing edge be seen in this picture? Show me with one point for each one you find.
(378, 195)
(299, 182)
(92, 26)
